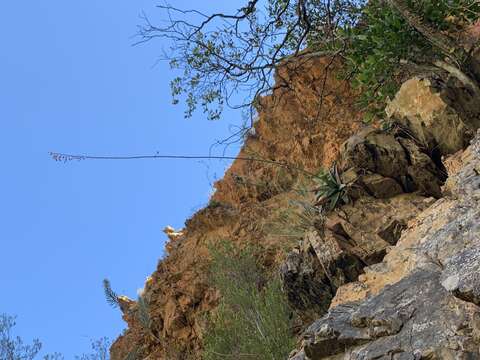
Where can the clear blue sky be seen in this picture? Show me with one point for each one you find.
(71, 82)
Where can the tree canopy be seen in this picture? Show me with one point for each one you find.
(228, 59)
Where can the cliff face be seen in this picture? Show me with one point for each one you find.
(422, 301)
(388, 275)
(302, 124)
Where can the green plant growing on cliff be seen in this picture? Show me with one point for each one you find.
(293, 220)
(133, 355)
(331, 191)
(305, 217)
(142, 313)
(110, 295)
(253, 319)
(143, 317)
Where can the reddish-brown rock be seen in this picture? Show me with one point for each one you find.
(302, 125)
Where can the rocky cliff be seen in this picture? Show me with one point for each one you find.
(388, 275)
(302, 124)
(421, 301)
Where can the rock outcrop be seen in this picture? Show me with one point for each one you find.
(337, 253)
(423, 108)
(303, 123)
(390, 274)
(422, 301)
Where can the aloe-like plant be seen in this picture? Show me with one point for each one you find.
(331, 189)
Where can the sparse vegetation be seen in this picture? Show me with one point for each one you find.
(143, 317)
(294, 220)
(213, 204)
(133, 355)
(253, 319)
(142, 313)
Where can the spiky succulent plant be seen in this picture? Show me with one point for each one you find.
(331, 190)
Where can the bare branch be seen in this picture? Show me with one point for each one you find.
(230, 59)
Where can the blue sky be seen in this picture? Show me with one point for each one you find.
(70, 81)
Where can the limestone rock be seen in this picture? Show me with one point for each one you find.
(380, 186)
(327, 259)
(172, 234)
(375, 151)
(392, 231)
(420, 107)
(371, 225)
(461, 276)
(305, 286)
(414, 319)
(421, 302)
(387, 164)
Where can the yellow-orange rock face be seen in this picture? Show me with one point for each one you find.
(303, 123)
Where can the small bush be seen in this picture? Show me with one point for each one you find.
(252, 320)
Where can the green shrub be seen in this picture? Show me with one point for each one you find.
(252, 320)
(383, 47)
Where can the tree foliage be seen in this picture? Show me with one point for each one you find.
(223, 55)
(386, 46)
